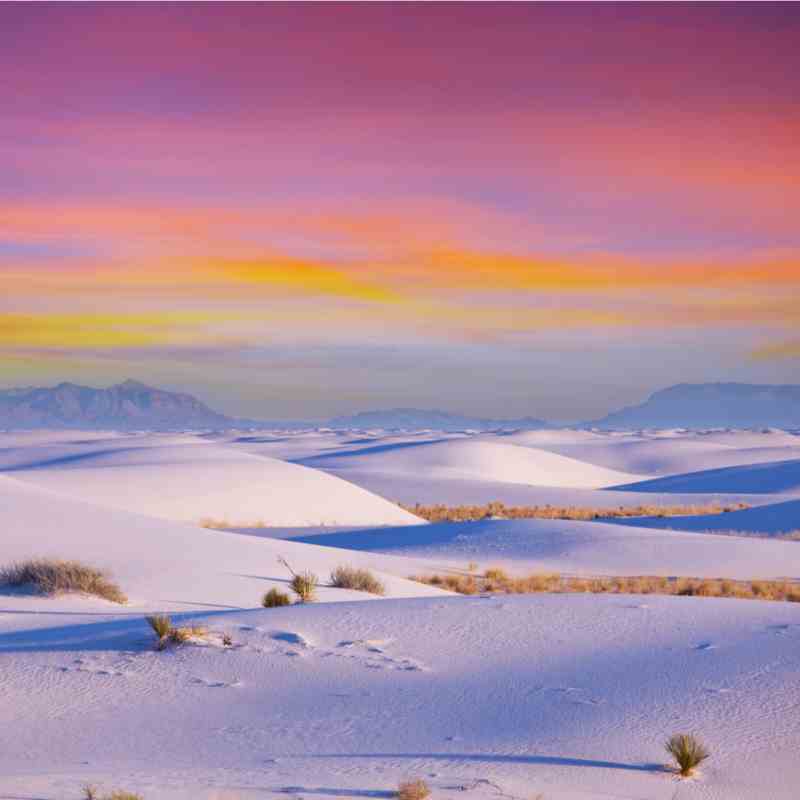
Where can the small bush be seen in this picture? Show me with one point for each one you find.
(166, 633)
(304, 585)
(52, 576)
(362, 580)
(227, 640)
(687, 752)
(496, 574)
(275, 598)
(161, 625)
(413, 790)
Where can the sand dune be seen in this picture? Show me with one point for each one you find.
(162, 564)
(472, 459)
(772, 518)
(769, 477)
(190, 479)
(567, 696)
(580, 548)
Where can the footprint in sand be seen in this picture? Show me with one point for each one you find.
(705, 646)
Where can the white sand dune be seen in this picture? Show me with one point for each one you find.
(659, 455)
(576, 548)
(190, 479)
(162, 564)
(766, 478)
(772, 518)
(473, 459)
(567, 696)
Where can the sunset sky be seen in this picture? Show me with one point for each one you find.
(301, 210)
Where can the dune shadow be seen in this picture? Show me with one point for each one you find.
(331, 792)
(362, 451)
(492, 758)
(115, 635)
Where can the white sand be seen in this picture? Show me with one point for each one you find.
(567, 696)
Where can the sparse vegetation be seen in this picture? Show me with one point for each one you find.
(166, 633)
(472, 513)
(227, 640)
(362, 580)
(55, 576)
(303, 584)
(223, 525)
(92, 793)
(413, 790)
(496, 581)
(687, 752)
(275, 598)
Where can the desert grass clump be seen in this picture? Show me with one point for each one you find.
(362, 580)
(92, 793)
(496, 581)
(275, 598)
(413, 790)
(440, 512)
(304, 585)
(687, 752)
(52, 576)
(166, 633)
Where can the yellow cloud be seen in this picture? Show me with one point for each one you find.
(101, 330)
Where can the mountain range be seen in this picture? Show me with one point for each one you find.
(711, 405)
(132, 405)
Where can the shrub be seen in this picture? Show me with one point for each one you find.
(496, 574)
(362, 580)
(161, 625)
(304, 585)
(166, 633)
(687, 752)
(275, 598)
(227, 640)
(54, 576)
(413, 790)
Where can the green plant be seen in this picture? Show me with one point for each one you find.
(687, 752)
(275, 598)
(362, 580)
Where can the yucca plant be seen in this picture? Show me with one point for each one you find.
(687, 752)
(162, 627)
(275, 598)
(304, 585)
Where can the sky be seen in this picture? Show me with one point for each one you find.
(302, 210)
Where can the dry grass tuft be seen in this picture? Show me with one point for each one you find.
(52, 576)
(166, 633)
(687, 752)
(496, 581)
(362, 580)
(440, 512)
(304, 585)
(92, 793)
(275, 598)
(413, 790)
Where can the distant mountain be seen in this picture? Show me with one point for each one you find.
(419, 419)
(129, 405)
(711, 405)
